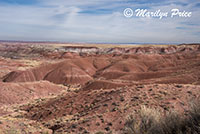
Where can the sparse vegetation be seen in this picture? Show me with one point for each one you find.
(45, 132)
(88, 88)
(151, 121)
(99, 132)
(11, 131)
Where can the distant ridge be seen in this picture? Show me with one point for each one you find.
(119, 43)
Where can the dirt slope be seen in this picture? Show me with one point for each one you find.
(16, 93)
(91, 89)
(106, 109)
(75, 71)
(177, 68)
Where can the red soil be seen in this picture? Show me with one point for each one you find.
(8, 65)
(180, 68)
(114, 83)
(103, 84)
(75, 71)
(16, 93)
(94, 110)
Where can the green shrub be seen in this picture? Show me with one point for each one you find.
(99, 132)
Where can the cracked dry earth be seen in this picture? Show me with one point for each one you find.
(82, 93)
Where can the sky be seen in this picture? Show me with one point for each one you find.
(98, 21)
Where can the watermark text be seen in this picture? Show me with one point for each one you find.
(128, 12)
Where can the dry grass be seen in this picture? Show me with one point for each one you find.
(19, 125)
(151, 121)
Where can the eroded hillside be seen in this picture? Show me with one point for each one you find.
(79, 88)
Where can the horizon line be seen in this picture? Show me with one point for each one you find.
(110, 43)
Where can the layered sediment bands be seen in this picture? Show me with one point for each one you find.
(135, 50)
(112, 84)
(77, 71)
(56, 51)
(177, 64)
(180, 68)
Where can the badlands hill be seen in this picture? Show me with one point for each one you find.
(79, 88)
(178, 67)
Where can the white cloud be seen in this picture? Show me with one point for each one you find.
(66, 21)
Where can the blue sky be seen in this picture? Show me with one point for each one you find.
(97, 21)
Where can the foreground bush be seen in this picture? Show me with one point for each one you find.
(150, 121)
